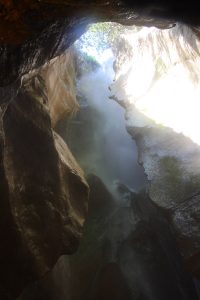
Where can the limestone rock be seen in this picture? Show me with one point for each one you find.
(170, 159)
(73, 276)
(43, 191)
(54, 285)
(130, 249)
(59, 76)
(144, 248)
(32, 33)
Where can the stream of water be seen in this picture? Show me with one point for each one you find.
(97, 135)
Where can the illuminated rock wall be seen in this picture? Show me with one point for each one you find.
(158, 84)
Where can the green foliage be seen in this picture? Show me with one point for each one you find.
(100, 36)
(106, 33)
(89, 58)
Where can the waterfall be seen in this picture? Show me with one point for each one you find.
(106, 150)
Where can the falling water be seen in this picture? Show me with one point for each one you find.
(105, 149)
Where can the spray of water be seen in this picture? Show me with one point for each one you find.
(106, 149)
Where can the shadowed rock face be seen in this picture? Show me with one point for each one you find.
(127, 252)
(73, 276)
(148, 256)
(112, 284)
(50, 42)
(32, 33)
(24, 18)
(43, 195)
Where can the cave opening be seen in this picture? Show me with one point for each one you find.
(129, 247)
(97, 136)
(141, 235)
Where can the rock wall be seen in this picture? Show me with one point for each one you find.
(127, 252)
(170, 159)
(38, 174)
(25, 19)
(33, 33)
(60, 82)
(44, 192)
(128, 248)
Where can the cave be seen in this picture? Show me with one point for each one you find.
(99, 172)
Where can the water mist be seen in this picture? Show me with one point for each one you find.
(101, 144)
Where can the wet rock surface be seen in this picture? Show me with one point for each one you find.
(43, 195)
(148, 255)
(127, 250)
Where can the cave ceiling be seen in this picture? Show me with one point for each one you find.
(32, 32)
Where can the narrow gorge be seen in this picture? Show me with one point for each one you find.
(99, 151)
